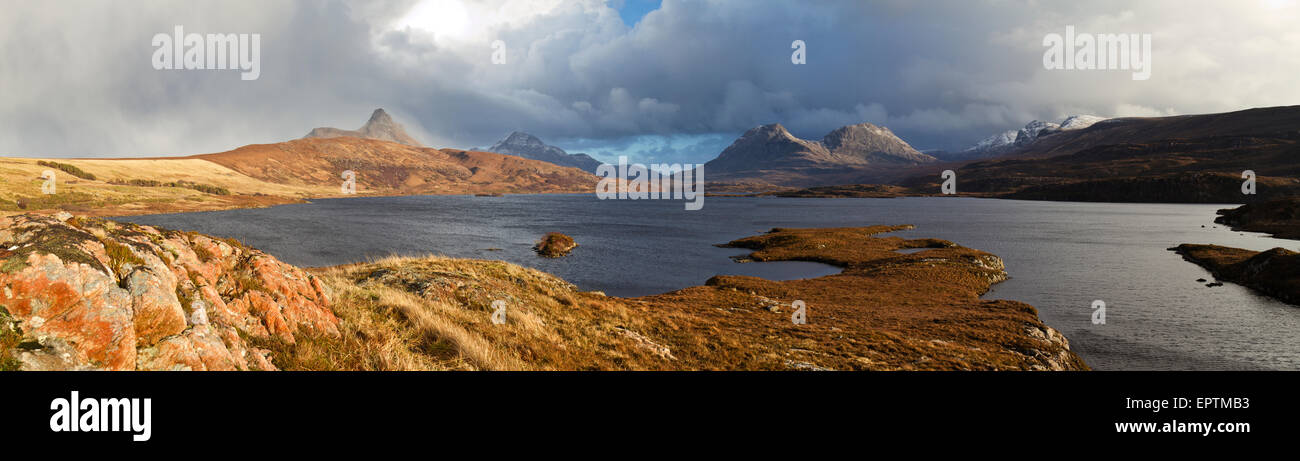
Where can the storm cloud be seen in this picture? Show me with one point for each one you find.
(678, 85)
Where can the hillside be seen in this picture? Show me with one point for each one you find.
(1259, 122)
(391, 168)
(1183, 159)
(138, 186)
(1279, 217)
(269, 174)
(1188, 170)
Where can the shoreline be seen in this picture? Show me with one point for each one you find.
(920, 311)
(1273, 273)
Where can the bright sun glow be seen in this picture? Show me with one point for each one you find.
(444, 18)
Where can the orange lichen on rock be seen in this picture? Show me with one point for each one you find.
(157, 300)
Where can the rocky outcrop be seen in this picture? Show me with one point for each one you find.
(1275, 272)
(1279, 217)
(554, 245)
(85, 294)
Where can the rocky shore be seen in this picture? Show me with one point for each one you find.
(82, 293)
(1279, 217)
(1275, 272)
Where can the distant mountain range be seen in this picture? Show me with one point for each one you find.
(1010, 140)
(528, 146)
(380, 126)
(771, 154)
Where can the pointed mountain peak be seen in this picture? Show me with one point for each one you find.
(379, 116)
(380, 126)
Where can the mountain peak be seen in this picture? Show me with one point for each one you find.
(379, 116)
(770, 128)
(772, 148)
(525, 145)
(1079, 122)
(519, 138)
(380, 126)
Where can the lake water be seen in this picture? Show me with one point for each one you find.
(1061, 256)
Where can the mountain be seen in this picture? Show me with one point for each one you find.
(873, 145)
(528, 146)
(996, 142)
(1079, 122)
(772, 154)
(1188, 158)
(1007, 141)
(380, 126)
(391, 168)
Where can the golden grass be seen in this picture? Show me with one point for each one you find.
(887, 311)
(20, 187)
(444, 307)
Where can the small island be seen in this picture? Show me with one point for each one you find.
(555, 245)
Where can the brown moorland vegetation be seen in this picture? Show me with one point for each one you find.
(388, 168)
(270, 174)
(886, 311)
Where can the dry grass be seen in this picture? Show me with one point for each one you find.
(104, 187)
(9, 341)
(447, 304)
(887, 311)
(375, 336)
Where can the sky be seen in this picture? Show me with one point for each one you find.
(671, 81)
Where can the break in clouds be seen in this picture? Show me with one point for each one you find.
(676, 86)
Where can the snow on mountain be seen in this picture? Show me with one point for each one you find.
(1003, 142)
